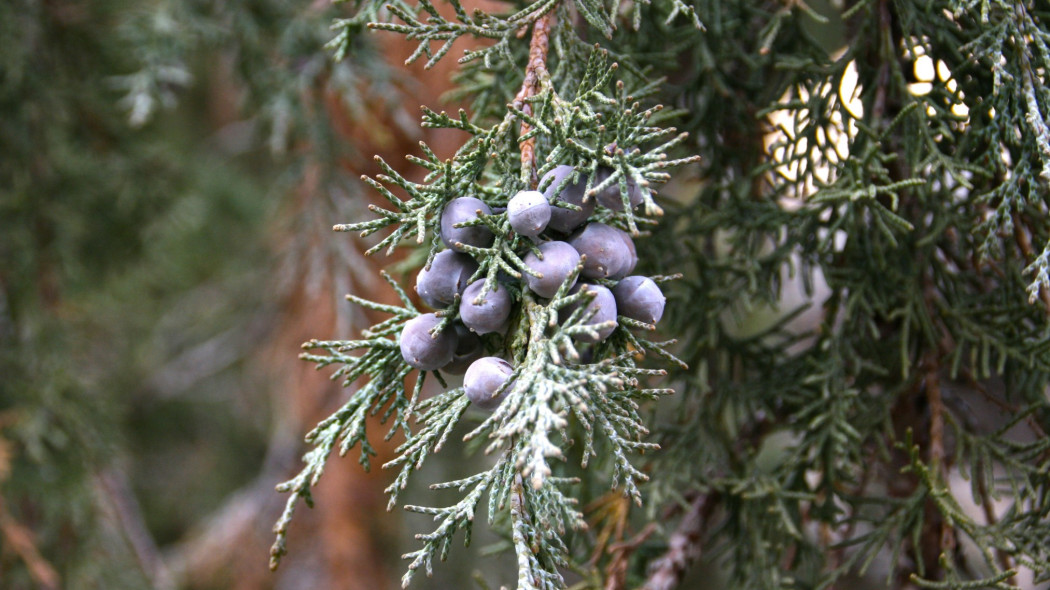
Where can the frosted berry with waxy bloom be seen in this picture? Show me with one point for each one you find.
(528, 213)
(423, 351)
(559, 260)
(632, 254)
(483, 378)
(609, 251)
(468, 350)
(603, 307)
(447, 277)
(610, 198)
(562, 219)
(639, 298)
(487, 314)
(461, 210)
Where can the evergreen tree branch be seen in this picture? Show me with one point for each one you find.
(453, 518)
(897, 215)
(537, 569)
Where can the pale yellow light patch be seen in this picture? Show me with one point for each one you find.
(924, 68)
(920, 88)
(832, 139)
(849, 91)
(928, 72)
(943, 73)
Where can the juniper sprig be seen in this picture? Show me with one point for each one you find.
(578, 114)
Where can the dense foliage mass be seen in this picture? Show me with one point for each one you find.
(892, 406)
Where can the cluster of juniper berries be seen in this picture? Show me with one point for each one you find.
(563, 247)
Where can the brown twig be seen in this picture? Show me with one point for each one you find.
(535, 76)
(888, 49)
(1001, 555)
(933, 395)
(608, 517)
(1006, 408)
(1025, 244)
(117, 498)
(616, 571)
(683, 547)
(19, 538)
(946, 540)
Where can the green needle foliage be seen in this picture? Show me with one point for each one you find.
(861, 317)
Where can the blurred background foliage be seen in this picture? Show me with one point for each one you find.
(151, 249)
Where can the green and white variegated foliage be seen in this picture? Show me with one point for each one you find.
(575, 108)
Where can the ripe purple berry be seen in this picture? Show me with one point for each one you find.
(423, 351)
(559, 260)
(610, 198)
(603, 308)
(562, 219)
(632, 255)
(639, 298)
(528, 213)
(468, 350)
(483, 378)
(609, 251)
(461, 210)
(488, 314)
(446, 278)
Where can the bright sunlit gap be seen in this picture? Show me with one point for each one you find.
(788, 143)
(792, 128)
(927, 72)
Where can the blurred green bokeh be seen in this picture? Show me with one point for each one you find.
(135, 279)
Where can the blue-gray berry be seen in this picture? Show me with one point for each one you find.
(461, 210)
(559, 260)
(610, 198)
(423, 351)
(600, 309)
(631, 260)
(529, 213)
(639, 298)
(487, 314)
(483, 379)
(609, 251)
(562, 219)
(447, 276)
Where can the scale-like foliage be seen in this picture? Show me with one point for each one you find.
(862, 306)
